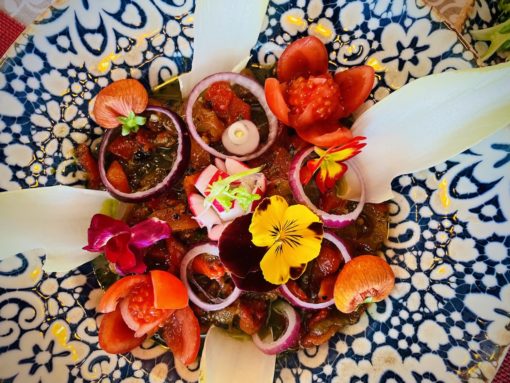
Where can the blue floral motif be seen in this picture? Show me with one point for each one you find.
(449, 236)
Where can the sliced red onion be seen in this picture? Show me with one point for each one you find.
(179, 166)
(336, 221)
(247, 83)
(289, 338)
(295, 301)
(206, 248)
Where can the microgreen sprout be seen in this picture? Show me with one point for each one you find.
(131, 123)
(227, 190)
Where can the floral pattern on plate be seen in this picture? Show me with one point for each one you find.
(447, 319)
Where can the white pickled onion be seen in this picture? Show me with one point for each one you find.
(288, 338)
(294, 300)
(240, 138)
(336, 221)
(206, 248)
(247, 83)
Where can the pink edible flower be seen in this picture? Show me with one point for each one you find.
(122, 245)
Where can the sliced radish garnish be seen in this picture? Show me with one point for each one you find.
(204, 217)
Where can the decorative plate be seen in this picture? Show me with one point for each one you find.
(448, 318)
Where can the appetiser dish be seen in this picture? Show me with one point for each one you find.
(235, 214)
(264, 187)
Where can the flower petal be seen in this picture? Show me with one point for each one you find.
(308, 249)
(148, 232)
(237, 252)
(253, 282)
(102, 229)
(139, 268)
(117, 251)
(274, 266)
(267, 219)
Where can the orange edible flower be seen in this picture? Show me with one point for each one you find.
(118, 101)
(364, 279)
(331, 164)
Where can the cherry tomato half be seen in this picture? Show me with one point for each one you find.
(304, 57)
(115, 337)
(182, 335)
(355, 85)
(325, 134)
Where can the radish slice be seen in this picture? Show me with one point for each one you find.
(204, 217)
(233, 166)
(220, 164)
(207, 177)
(215, 233)
(240, 138)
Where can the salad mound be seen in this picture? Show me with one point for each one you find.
(236, 218)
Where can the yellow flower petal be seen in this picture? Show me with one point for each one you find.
(274, 266)
(308, 249)
(266, 221)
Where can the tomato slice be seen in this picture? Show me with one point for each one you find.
(276, 100)
(117, 177)
(209, 266)
(138, 310)
(182, 335)
(355, 84)
(115, 337)
(169, 291)
(325, 134)
(119, 290)
(89, 164)
(304, 57)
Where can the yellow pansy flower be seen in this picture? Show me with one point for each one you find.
(293, 235)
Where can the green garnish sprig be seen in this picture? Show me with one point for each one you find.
(226, 193)
(131, 123)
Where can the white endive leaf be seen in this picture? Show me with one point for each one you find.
(428, 121)
(224, 31)
(228, 359)
(54, 219)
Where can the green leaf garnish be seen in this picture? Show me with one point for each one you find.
(225, 193)
(131, 123)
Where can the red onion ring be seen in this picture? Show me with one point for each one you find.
(336, 221)
(179, 166)
(288, 338)
(245, 82)
(212, 249)
(295, 301)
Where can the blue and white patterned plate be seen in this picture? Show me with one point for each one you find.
(448, 318)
